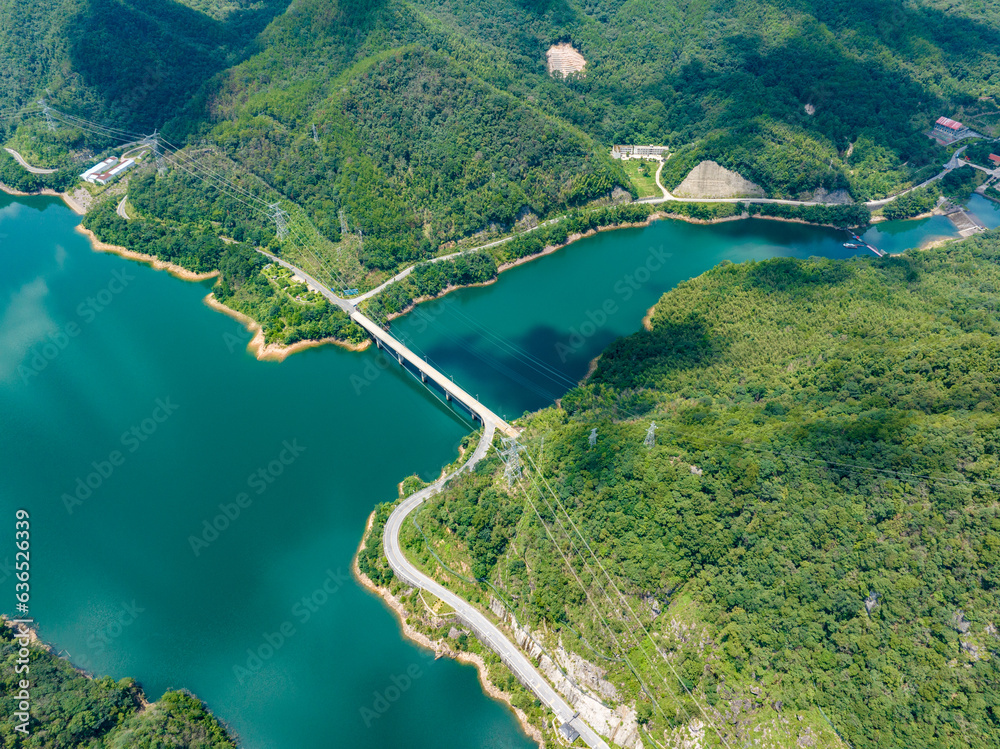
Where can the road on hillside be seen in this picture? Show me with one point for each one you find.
(33, 169)
(484, 629)
(952, 163)
(120, 210)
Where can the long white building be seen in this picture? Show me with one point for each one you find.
(107, 170)
(103, 179)
(638, 152)
(90, 174)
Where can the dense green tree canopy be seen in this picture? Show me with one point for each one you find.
(821, 496)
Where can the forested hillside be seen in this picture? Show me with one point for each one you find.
(816, 524)
(69, 710)
(120, 62)
(397, 126)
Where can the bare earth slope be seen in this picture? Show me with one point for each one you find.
(709, 180)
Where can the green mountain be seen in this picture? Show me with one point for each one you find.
(396, 127)
(122, 63)
(815, 527)
(820, 503)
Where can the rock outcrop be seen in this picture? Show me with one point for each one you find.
(581, 683)
(831, 197)
(709, 180)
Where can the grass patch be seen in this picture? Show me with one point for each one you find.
(642, 172)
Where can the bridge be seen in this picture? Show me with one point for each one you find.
(571, 725)
(385, 340)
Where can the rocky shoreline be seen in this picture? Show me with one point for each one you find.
(440, 647)
(275, 351)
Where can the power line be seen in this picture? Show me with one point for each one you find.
(207, 175)
(586, 591)
(622, 598)
(48, 115)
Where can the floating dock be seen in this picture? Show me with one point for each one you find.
(862, 243)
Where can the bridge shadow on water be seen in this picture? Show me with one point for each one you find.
(516, 374)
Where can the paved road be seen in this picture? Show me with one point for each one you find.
(659, 184)
(387, 340)
(33, 169)
(403, 274)
(952, 163)
(322, 287)
(484, 629)
(120, 210)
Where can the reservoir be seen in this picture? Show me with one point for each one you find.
(134, 426)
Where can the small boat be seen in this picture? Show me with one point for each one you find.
(851, 245)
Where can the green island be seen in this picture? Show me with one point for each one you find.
(71, 710)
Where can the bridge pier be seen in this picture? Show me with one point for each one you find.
(447, 395)
(423, 376)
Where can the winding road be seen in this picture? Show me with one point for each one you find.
(33, 169)
(404, 273)
(485, 630)
(120, 210)
(953, 163)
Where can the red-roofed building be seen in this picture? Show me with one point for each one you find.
(995, 159)
(950, 130)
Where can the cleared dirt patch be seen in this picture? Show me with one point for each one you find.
(564, 59)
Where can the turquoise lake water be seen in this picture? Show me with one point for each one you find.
(131, 416)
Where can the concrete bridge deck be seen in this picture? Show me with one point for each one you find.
(385, 339)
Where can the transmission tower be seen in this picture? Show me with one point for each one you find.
(48, 114)
(154, 142)
(280, 217)
(315, 136)
(593, 436)
(650, 435)
(512, 460)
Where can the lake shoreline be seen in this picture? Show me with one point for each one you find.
(175, 270)
(257, 346)
(440, 648)
(71, 202)
(572, 238)
(264, 351)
